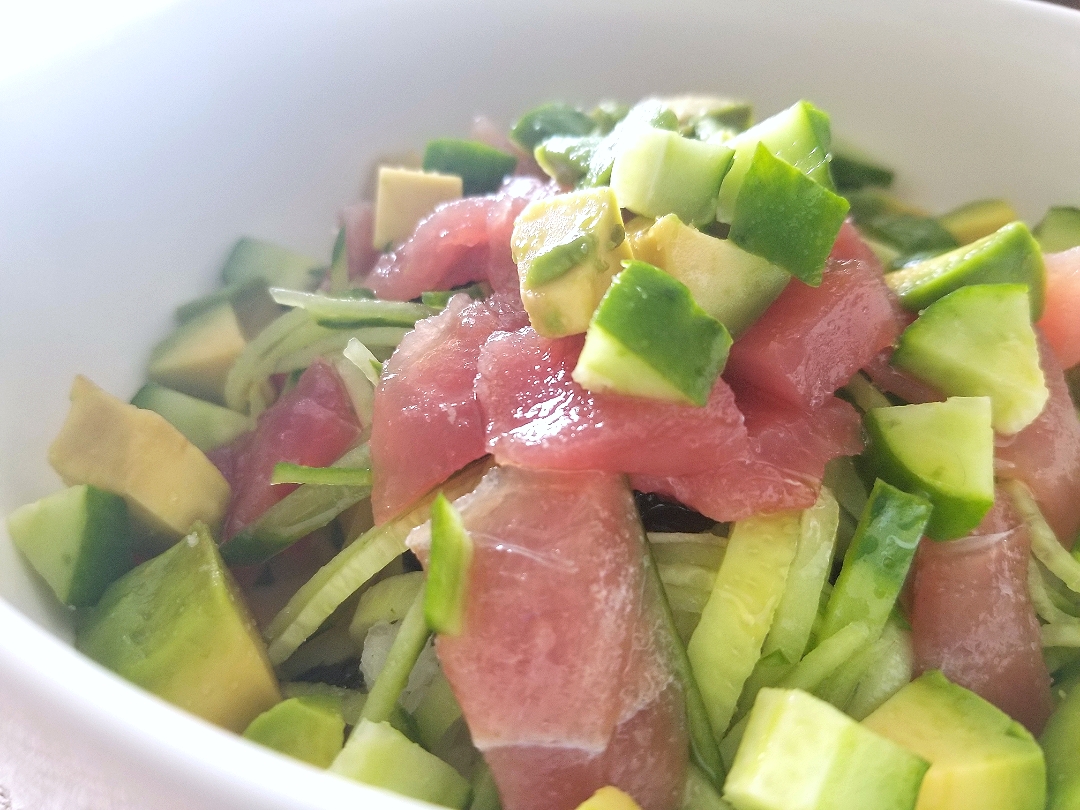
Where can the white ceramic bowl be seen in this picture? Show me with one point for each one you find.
(126, 172)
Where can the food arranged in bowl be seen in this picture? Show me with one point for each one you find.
(646, 457)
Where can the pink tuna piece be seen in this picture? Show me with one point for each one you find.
(537, 416)
(461, 241)
(426, 423)
(782, 468)
(972, 617)
(1059, 321)
(812, 339)
(313, 424)
(359, 223)
(1046, 454)
(561, 669)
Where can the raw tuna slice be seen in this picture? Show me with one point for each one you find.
(1059, 320)
(461, 241)
(1046, 454)
(426, 423)
(561, 669)
(359, 223)
(812, 339)
(972, 617)
(782, 468)
(537, 416)
(313, 424)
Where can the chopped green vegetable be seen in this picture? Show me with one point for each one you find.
(448, 569)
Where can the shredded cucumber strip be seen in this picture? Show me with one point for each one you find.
(688, 586)
(1044, 543)
(351, 568)
(350, 311)
(437, 712)
(699, 793)
(388, 600)
(411, 637)
(889, 672)
(238, 382)
(865, 393)
(360, 356)
(288, 473)
(1061, 635)
(1041, 600)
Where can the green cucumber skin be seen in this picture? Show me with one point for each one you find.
(448, 566)
(957, 506)
(1009, 255)
(481, 168)
(1059, 742)
(784, 216)
(877, 561)
(851, 173)
(655, 317)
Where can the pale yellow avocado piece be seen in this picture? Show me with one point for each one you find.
(609, 798)
(733, 286)
(167, 482)
(583, 231)
(406, 196)
(196, 358)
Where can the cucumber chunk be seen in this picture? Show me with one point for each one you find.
(852, 169)
(450, 558)
(304, 728)
(749, 585)
(1059, 229)
(380, 755)
(649, 338)
(549, 120)
(412, 635)
(785, 217)
(1060, 741)
(877, 561)
(276, 265)
(205, 424)
(388, 600)
(658, 172)
(480, 167)
(943, 451)
(978, 341)
(1008, 255)
(78, 540)
(800, 753)
(979, 756)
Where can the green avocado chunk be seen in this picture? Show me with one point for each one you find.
(480, 167)
(1009, 255)
(78, 539)
(786, 217)
(177, 623)
(308, 729)
(978, 341)
(977, 219)
(979, 756)
(648, 338)
(658, 172)
(1060, 741)
(800, 753)
(943, 451)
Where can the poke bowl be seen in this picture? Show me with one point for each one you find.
(131, 169)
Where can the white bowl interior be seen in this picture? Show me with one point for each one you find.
(128, 171)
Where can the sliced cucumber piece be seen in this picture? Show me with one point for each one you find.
(1059, 229)
(649, 338)
(303, 728)
(974, 220)
(437, 711)
(1009, 255)
(412, 635)
(943, 451)
(352, 311)
(77, 539)
(205, 424)
(852, 169)
(388, 600)
(286, 472)
(449, 561)
(785, 217)
(548, 120)
(749, 585)
(877, 561)
(481, 168)
(978, 341)
(907, 231)
(892, 667)
(276, 265)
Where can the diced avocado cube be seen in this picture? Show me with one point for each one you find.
(167, 482)
(979, 756)
(548, 120)
(205, 424)
(799, 135)
(197, 356)
(733, 286)
(1060, 741)
(977, 219)
(1059, 229)
(800, 753)
(978, 341)
(567, 249)
(658, 172)
(785, 217)
(449, 560)
(178, 627)
(481, 168)
(277, 266)
(250, 300)
(609, 798)
(305, 728)
(404, 197)
(380, 755)
(649, 339)
(943, 451)
(1009, 255)
(877, 560)
(77, 539)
